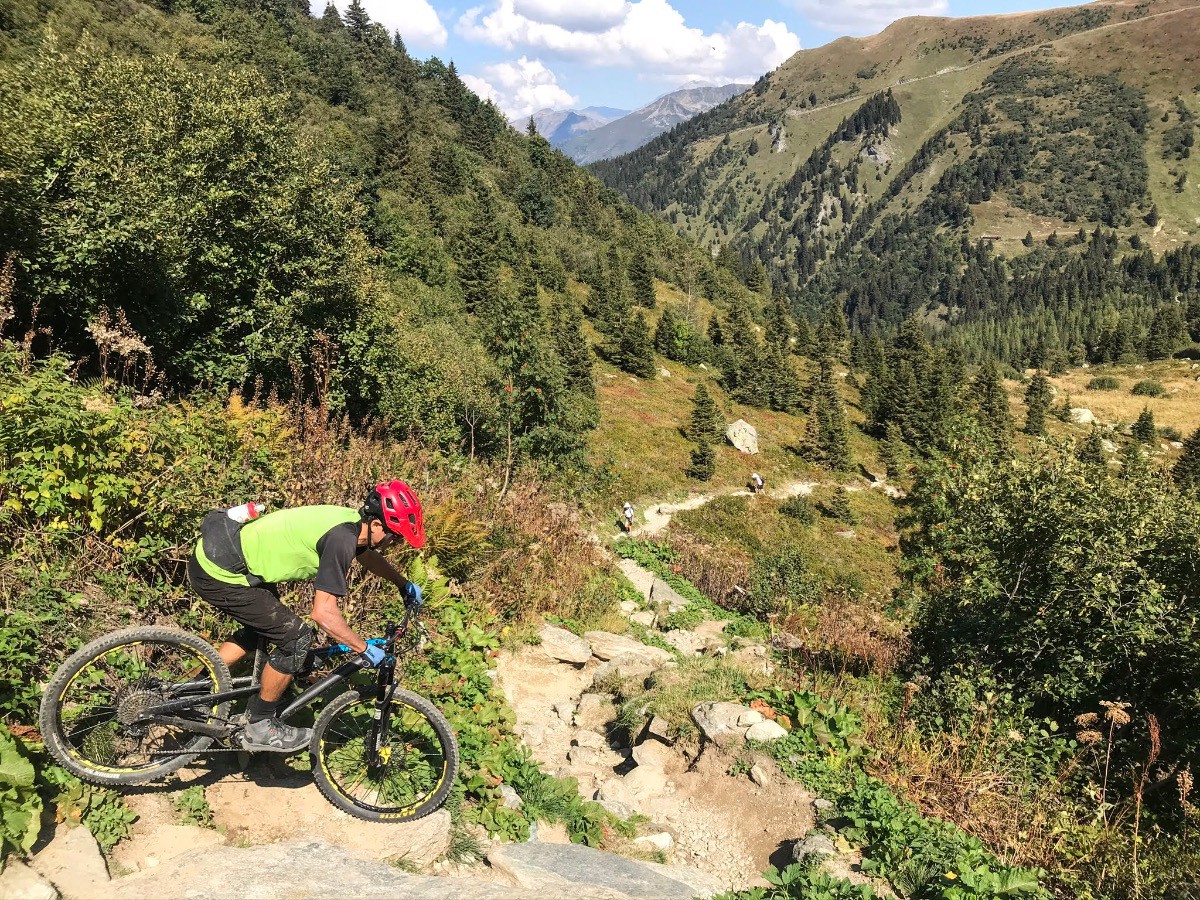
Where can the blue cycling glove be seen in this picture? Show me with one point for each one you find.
(412, 594)
(372, 656)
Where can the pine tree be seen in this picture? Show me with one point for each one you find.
(1091, 451)
(703, 462)
(994, 414)
(477, 257)
(716, 334)
(357, 21)
(781, 328)
(826, 438)
(839, 507)
(1133, 459)
(571, 344)
(744, 381)
(832, 333)
(706, 424)
(531, 128)
(781, 383)
(896, 455)
(641, 277)
(1151, 218)
(1143, 429)
(1037, 402)
(1028, 239)
(331, 18)
(636, 353)
(1186, 471)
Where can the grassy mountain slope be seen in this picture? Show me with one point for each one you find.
(930, 65)
(938, 133)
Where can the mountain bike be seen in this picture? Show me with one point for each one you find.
(140, 703)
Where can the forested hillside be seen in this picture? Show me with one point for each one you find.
(239, 194)
(1026, 178)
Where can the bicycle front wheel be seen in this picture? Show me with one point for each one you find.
(93, 715)
(414, 767)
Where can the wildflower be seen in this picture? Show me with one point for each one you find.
(1115, 712)
(1015, 736)
(1086, 719)
(1185, 783)
(950, 876)
(1090, 737)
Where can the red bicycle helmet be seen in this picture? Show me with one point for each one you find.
(395, 505)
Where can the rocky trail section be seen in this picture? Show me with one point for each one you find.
(717, 823)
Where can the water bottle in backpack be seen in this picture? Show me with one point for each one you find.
(247, 512)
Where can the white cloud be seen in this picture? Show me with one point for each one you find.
(864, 17)
(519, 87)
(649, 35)
(416, 20)
(592, 15)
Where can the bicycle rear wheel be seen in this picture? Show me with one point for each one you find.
(416, 765)
(92, 714)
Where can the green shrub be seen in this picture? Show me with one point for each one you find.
(20, 805)
(799, 508)
(781, 582)
(101, 811)
(1077, 586)
(22, 647)
(1148, 387)
(192, 807)
(1103, 383)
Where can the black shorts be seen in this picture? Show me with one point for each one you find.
(258, 608)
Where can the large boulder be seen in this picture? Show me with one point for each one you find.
(743, 436)
(606, 645)
(560, 644)
(1082, 416)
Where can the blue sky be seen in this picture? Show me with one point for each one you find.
(533, 54)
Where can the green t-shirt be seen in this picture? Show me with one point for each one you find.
(282, 546)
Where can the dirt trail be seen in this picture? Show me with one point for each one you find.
(657, 517)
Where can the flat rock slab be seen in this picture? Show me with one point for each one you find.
(606, 645)
(302, 813)
(73, 863)
(19, 882)
(530, 865)
(294, 870)
(560, 644)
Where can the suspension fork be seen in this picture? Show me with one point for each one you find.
(385, 688)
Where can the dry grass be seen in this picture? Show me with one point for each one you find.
(1179, 408)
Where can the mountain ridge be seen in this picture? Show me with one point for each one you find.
(643, 124)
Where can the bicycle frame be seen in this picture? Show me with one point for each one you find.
(246, 685)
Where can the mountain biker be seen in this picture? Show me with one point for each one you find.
(237, 570)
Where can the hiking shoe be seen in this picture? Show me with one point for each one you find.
(273, 736)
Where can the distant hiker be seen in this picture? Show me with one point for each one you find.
(627, 517)
(756, 483)
(237, 567)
